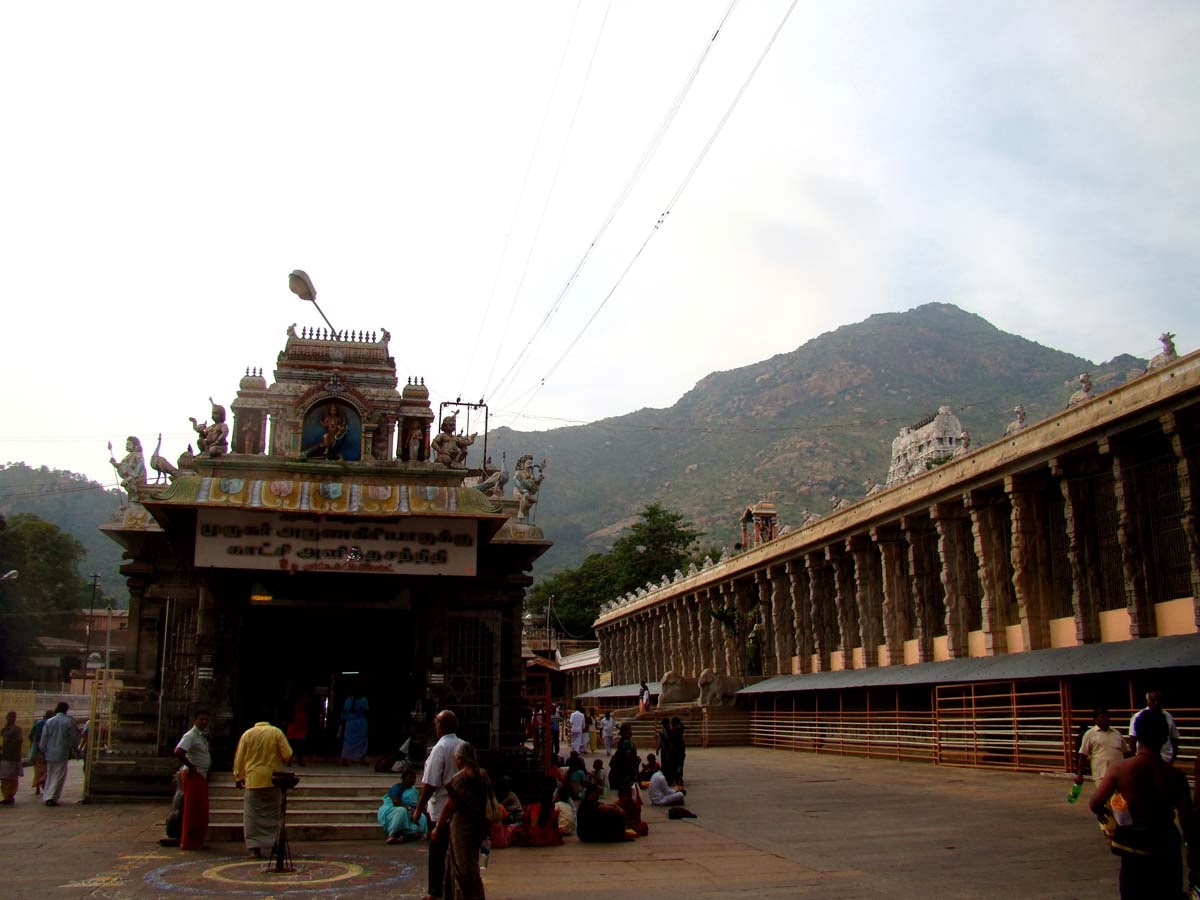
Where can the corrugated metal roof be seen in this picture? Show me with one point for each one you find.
(621, 690)
(1180, 651)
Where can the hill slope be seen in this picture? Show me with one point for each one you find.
(797, 427)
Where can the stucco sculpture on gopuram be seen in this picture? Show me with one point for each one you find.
(334, 400)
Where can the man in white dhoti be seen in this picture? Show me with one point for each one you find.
(578, 724)
(261, 750)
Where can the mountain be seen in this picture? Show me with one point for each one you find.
(796, 428)
(79, 507)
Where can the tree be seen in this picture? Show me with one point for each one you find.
(48, 583)
(660, 542)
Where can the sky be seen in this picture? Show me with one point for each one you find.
(570, 210)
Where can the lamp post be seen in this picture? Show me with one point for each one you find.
(88, 651)
(301, 285)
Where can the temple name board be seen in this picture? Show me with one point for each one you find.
(235, 539)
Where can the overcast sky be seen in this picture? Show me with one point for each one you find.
(442, 169)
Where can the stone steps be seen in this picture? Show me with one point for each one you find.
(330, 804)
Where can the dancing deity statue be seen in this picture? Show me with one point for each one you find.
(131, 470)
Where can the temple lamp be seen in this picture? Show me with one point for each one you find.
(301, 285)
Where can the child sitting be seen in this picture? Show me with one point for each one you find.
(647, 771)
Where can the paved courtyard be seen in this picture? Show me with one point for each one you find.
(770, 824)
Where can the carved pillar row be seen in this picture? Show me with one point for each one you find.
(802, 604)
(1184, 442)
(924, 569)
(1132, 527)
(846, 602)
(781, 612)
(823, 609)
(1030, 558)
(1082, 554)
(989, 531)
(868, 595)
(767, 615)
(897, 593)
(954, 551)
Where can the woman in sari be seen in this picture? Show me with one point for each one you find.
(354, 730)
(12, 742)
(37, 756)
(464, 818)
(395, 811)
(540, 822)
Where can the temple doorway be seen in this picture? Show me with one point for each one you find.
(329, 654)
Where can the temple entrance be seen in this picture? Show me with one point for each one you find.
(329, 654)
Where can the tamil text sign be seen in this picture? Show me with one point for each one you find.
(236, 539)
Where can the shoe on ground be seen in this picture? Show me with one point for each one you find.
(52, 803)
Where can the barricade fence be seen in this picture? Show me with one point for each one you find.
(1028, 727)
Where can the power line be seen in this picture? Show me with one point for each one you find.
(537, 143)
(631, 182)
(678, 193)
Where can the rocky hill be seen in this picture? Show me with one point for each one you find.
(796, 428)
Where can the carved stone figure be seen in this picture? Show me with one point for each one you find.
(1017, 424)
(131, 470)
(161, 464)
(1084, 393)
(448, 448)
(717, 690)
(1168, 354)
(678, 688)
(837, 503)
(871, 487)
(964, 444)
(212, 440)
(330, 445)
(527, 481)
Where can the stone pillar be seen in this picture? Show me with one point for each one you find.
(642, 648)
(746, 599)
(1031, 575)
(1184, 441)
(1132, 524)
(802, 605)
(781, 612)
(846, 600)
(868, 594)
(696, 634)
(729, 604)
(768, 614)
(989, 524)
(954, 552)
(1082, 554)
(823, 611)
(897, 596)
(675, 634)
(924, 570)
(717, 629)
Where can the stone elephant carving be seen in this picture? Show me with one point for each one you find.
(717, 690)
(677, 689)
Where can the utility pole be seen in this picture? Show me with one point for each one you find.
(88, 652)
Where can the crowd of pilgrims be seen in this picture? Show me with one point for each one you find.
(599, 804)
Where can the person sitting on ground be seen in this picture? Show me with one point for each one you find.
(647, 771)
(539, 825)
(395, 812)
(661, 793)
(597, 775)
(577, 775)
(601, 823)
(508, 798)
(631, 804)
(564, 807)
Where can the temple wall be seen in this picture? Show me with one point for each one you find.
(1078, 529)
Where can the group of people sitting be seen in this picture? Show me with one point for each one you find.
(571, 800)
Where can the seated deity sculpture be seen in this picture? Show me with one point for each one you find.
(448, 448)
(212, 440)
(1017, 424)
(1084, 393)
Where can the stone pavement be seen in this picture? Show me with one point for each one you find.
(771, 824)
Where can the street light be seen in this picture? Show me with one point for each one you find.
(301, 285)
